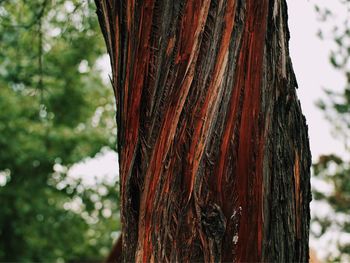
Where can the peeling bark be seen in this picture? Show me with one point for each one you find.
(213, 147)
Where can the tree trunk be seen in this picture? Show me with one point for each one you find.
(213, 147)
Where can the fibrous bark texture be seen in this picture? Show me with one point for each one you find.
(213, 147)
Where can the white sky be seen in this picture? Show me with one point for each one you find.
(310, 57)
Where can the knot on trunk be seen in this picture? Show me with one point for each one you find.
(213, 221)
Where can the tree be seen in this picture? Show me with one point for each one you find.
(54, 112)
(213, 147)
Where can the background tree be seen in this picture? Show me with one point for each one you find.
(54, 112)
(213, 148)
(332, 168)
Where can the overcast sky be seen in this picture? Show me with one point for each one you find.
(310, 57)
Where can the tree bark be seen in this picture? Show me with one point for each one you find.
(213, 147)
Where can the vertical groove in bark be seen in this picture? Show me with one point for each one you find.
(213, 147)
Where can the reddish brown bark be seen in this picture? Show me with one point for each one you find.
(213, 147)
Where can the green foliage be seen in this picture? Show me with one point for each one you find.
(332, 169)
(335, 172)
(54, 111)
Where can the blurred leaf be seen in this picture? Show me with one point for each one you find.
(53, 114)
